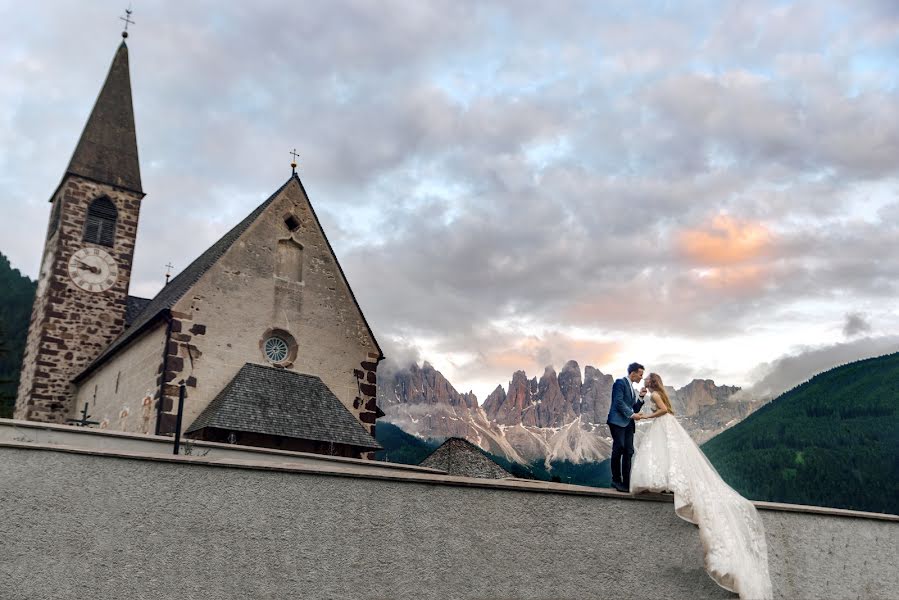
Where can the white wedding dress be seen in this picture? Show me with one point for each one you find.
(731, 531)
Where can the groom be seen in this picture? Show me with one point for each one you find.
(622, 414)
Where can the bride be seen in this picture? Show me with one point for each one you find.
(730, 529)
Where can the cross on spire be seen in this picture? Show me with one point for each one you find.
(293, 163)
(127, 19)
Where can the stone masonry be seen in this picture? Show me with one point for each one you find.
(220, 322)
(69, 326)
(177, 366)
(458, 456)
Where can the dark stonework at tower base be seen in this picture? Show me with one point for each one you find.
(79, 307)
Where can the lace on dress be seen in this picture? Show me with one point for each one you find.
(730, 529)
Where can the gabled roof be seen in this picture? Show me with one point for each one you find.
(133, 307)
(185, 280)
(107, 149)
(458, 456)
(274, 401)
(177, 287)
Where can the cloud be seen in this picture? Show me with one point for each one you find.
(724, 241)
(490, 174)
(786, 372)
(856, 324)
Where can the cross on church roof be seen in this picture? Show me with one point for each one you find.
(127, 19)
(168, 271)
(293, 163)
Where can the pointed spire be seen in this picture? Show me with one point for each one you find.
(107, 150)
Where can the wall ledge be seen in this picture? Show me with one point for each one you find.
(354, 468)
(169, 441)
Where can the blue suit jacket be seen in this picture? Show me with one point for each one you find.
(624, 403)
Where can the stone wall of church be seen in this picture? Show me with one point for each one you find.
(190, 527)
(123, 391)
(279, 278)
(70, 326)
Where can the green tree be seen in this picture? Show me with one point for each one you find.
(16, 299)
(831, 441)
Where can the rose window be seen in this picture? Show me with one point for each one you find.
(276, 349)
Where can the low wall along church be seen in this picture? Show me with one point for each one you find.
(262, 328)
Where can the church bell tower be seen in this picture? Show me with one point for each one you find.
(85, 270)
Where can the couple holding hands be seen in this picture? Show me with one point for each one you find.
(668, 460)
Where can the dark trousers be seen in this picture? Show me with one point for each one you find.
(622, 452)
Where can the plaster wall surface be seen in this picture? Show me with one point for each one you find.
(122, 393)
(92, 439)
(223, 320)
(97, 526)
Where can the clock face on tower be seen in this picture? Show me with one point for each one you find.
(93, 269)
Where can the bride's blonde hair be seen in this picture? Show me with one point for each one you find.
(656, 385)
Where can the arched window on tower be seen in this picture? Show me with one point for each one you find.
(100, 225)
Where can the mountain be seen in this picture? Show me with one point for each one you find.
(558, 418)
(553, 401)
(400, 447)
(831, 441)
(422, 402)
(705, 409)
(16, 298)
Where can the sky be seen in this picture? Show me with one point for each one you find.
(708, 188)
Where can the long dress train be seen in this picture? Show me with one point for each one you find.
(731, 531)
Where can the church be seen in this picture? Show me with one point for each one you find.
(261, 332)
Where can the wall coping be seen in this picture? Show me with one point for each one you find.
(372, 470)
(164, 439)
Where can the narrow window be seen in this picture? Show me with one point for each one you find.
(290, 261)
(99, 228)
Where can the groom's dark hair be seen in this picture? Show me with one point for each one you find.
(634, 367)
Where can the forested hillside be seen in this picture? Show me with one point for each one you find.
(401, 447)
(832, 441)
(16, 298)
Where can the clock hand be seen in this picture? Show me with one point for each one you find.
(90, 268)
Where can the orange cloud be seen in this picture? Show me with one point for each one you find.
(725, 241)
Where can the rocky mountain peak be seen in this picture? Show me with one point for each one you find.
(700, 393)
(558, 415)
(421, 385)
(570, 383)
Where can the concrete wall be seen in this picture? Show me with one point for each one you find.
(121, 394)
(91, 439)
(98, 525)
(220, 324)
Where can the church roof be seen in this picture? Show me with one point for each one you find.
(107, 149)
(179, 285)
(285, 403)
(184, 281)
(458, 456)
(133, 307)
